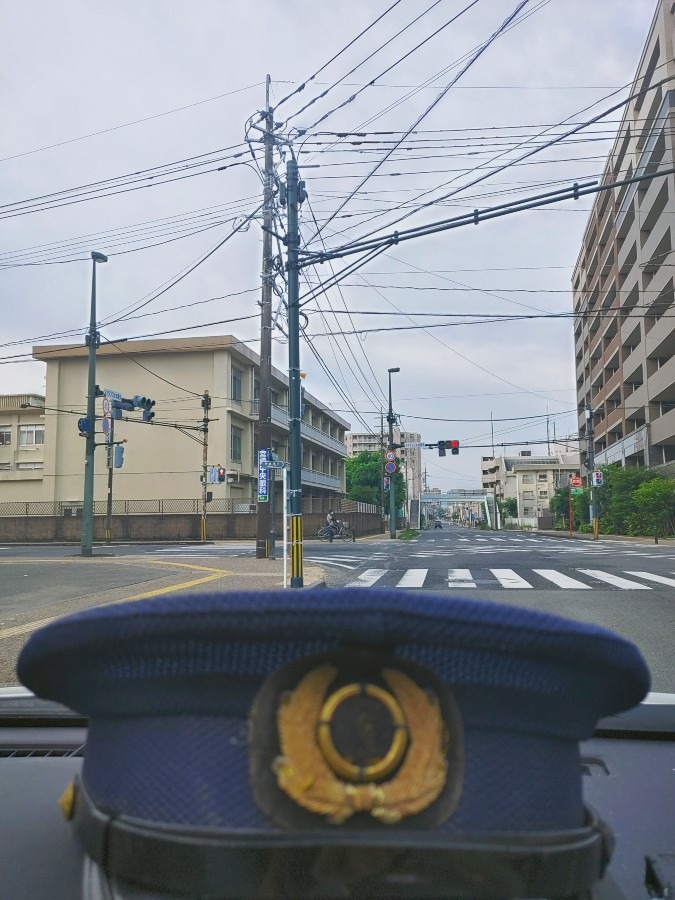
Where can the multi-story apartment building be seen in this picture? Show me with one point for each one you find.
(22, 437)
(531, 480)
(623, 278)
(411, 457)
(163, 460)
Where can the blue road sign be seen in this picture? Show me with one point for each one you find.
(263, 460)
(390, 467)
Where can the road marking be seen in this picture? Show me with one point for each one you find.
(38, 623)
(614, 580)
(509, 579)
(563, 581)
(660, 579)
(460, 578)
(413, 578)
(367, 578)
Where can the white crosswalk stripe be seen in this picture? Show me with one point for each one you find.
(368, 578)
(562, 580)
(509, 579)
(659, 579)
(614, 580)
(413, 578)
(460, 578)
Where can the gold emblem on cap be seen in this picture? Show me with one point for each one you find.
(67, 802)
(308, 765)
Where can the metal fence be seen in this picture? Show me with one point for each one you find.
(221, 505)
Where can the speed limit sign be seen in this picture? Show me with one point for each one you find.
(106, 406)
(390, 456)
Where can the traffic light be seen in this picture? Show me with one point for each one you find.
(146, 404)
(221, 474)
(83, 426)
(441, 448)
(119, 456)
(597, 478)
(454, 447)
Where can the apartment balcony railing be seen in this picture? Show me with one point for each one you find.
(308, 432)
(320, 479)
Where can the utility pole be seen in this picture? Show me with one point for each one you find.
(92, 341)
(590, 465)
(382, 465)
(295, 194)
(264, 522)
(206, 406)
(111, 454)
(391, 418)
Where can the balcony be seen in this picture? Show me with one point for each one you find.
(321, 480)
(308, 432)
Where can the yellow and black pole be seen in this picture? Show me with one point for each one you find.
(295, 195)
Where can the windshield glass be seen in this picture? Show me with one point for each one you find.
(461, 383)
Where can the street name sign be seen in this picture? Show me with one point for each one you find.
(112, 395)
(418, 444)
(578, 490)
(274, 464)
(263, 459)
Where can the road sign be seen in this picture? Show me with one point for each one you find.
(576, 490)
(575, 481)
(105, 425)
(410, 444)
(274, 464)
(263, 459)
(390, 467)
(112, 395)
(105, 403)
(390, 456)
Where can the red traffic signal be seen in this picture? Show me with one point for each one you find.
(221, 474)
(454, 447)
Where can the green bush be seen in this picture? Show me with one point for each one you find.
(586, 528)
(408, 533)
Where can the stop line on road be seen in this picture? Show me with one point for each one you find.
(508, 579)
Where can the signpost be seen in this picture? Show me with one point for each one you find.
(390, 468)
(263, 466)
(263, 489)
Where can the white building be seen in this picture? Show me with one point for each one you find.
(531, 480)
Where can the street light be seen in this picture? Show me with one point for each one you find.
(92, 342)
(391, 418)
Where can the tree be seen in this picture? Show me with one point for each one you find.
(509, 508)
(655, 507)
(615, 501)
(364, 474)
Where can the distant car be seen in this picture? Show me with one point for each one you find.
(438, 523)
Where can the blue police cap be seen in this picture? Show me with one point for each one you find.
(224, 727)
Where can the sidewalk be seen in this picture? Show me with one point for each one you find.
(619, 538)
(246, 574)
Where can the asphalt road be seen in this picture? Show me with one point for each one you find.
(628, 587)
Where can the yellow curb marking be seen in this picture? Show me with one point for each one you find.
(219, 573)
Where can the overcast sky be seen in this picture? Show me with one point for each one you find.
(94, 91)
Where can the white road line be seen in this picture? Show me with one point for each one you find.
(614, 580)
(563, 581)
(509, 579)
(367, 578)
(413, 578)
(460, 578)
(659, 579)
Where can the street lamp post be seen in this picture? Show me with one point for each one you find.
(92, 343)
(391, 418)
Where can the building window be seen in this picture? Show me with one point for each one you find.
(542, 476)
(31, 435)
(5, 435)
(29, 465)
(235, 443)
(5, 465)
(528, 495)
(543, 493)
(528, 479)
(236, 384)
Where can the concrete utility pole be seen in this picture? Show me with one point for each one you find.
(391, 418)
(92, 341)
(590, 465)
(110, 460)
(295, 194)
(206, 406)
(264, 523)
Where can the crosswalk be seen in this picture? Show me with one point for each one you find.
(509, 579)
